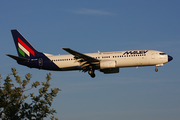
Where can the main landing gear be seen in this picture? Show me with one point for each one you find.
(91, 73)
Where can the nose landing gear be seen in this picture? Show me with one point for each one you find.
(156, 69)
(158, 65)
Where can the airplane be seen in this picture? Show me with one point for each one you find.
(106, 62)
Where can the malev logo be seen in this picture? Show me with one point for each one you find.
(136, 52)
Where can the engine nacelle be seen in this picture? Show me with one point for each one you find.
(107, 64)
(110, 70)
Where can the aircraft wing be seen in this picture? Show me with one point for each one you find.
(80, 55)
(83, 59)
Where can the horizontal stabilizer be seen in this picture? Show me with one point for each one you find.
(19, 59)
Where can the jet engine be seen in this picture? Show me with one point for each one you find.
(107, 64)
(110, 70)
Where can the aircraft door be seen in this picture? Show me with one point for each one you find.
(153, 55)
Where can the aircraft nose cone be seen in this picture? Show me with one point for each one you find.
(169, 58)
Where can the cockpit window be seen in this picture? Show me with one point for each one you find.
(162, 53)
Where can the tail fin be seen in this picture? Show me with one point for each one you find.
(24, 48)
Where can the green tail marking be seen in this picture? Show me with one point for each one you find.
(22, 53)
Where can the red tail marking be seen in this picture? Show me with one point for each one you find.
(27, 47)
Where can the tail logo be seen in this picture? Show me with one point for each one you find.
(24, 49)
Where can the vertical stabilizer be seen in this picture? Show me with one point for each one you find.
(24, 48)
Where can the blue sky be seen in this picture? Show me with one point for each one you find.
(92, 25)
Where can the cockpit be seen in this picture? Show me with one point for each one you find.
(162, 53)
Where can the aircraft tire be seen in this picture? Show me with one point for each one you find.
(93, 75)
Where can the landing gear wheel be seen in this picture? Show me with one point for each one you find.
(156, 69)
(91, 73)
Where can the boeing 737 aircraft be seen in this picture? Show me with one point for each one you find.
(106, 62)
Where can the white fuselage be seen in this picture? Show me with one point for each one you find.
(133, 58)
